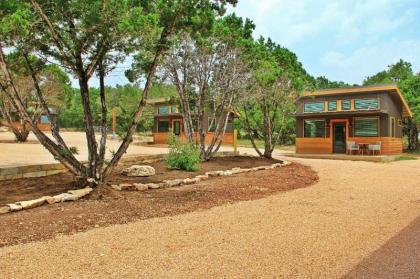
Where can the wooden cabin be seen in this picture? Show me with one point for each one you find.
(328, 120)
(168, 119)
(44, 123)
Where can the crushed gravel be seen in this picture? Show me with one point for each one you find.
(321, 231)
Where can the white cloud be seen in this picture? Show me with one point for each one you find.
(366, 61)
(290, 22)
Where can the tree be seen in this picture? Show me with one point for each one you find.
(87, 38)
(277, 77)
(208, 72)
(324, 83)
(54, 82)
(402, 74)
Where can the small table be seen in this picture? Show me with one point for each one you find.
(363, 146)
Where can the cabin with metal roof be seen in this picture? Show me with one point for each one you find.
(329, 121)
(168, 120)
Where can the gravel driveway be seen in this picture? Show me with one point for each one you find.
(323, 231)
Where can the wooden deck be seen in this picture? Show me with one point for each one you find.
(369, 158)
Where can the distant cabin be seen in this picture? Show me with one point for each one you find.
(44, 123)
(168, 119)
(327, 119)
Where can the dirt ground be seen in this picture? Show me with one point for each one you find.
(107, 207)
(357, 210)
(32, 188)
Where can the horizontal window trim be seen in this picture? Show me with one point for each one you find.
(351, 109)
(342, 101)
(362, 109)
(336, 106)
(320, 102)
(378, 132)
(315, 119)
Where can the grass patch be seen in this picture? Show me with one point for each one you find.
(407, 158)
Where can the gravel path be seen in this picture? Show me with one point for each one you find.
(323, 231)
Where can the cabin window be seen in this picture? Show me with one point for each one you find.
(163, 110)
(314, 107)
(163, 126)
(345, 105)
(366, 127)
(45, 119)
(366, 104)
(332, 106)
(174, 109)
(392, 126)
(314, 128)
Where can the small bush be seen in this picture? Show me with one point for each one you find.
(182, 155)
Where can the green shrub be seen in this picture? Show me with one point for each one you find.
(182, 155)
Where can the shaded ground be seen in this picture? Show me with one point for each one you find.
(398, 258)
(107, 207)
(32, 188)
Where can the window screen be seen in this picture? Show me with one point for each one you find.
(345, 105)
(163, 126)
(45, 119)
(366, 127)
(392, 126)
(314, 107)
(314, 128)
(163, 110)
(332, 106)
(174, 109)
(366, 104)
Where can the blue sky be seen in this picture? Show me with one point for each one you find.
(343, 40)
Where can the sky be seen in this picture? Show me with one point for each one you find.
(344, 40)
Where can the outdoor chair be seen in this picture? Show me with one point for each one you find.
(375, 147)
(352, 146)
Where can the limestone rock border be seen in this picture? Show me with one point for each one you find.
(196, 179)
(71, 195)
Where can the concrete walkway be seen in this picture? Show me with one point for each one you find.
(328, 230)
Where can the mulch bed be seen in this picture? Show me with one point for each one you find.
(32, 188)
(107, 207)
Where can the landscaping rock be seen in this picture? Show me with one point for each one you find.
(4, 209)
(202, 177)
(14, 207)
(141, 186)
(214, 173)
(80, 192)
(137, 170)
(50, 200)
(173, 183)
(246, 170)
(236, 170)
(276, 165)
(153, 186)
(286, 163)
(188, 181)
(227, 173)
(64, 197)
(116, 187)
(127, 187)
(32, 203)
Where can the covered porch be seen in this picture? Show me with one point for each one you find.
(338, 134)
(373, 158)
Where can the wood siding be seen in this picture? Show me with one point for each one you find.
(324, 146)
(162, 138)
(42, 127)
(313, 145)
